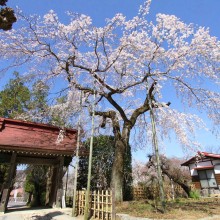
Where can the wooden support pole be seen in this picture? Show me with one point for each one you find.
(74, 213)
(156, 149)
(9, 183)
(59, 183)
(87, 202)
(113, 211)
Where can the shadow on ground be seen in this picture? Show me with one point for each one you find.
(49, 216)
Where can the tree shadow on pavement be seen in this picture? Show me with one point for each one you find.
(48, 216)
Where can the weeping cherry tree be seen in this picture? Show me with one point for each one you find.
(122, 59)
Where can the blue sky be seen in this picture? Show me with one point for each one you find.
(200, 12)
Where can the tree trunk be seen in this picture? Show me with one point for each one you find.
(118, 170)
(121, 143)
(184, 186)
(29, 198)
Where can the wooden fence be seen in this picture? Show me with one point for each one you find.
(101, 205)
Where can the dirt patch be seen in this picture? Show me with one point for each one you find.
(189, 209)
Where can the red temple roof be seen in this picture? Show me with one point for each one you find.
(22, 136)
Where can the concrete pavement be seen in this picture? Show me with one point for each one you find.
(39, 214)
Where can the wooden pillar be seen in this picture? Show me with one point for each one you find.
(9, 183)
(52, 194)
(57, 184)
(49, 185)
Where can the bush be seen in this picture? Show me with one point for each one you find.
(194, 194)
(177, 200)
(42, 198)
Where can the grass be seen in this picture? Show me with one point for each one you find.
(188, 209)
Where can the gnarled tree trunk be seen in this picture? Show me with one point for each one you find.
(121, 147)
(118, 170)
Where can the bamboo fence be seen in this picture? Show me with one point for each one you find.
(101, 205)
(140, 192)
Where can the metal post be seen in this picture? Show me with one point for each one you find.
(86, 215)
(77, 160)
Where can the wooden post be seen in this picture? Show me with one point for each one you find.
(9, 183)
(49, 185)
(52, 195)
(172, 189)
(74, 213)
(102, 204)
(98, 202)
(156, 149)
(59, 183)
(94, 205)
(106, 204)
(87, 198)
(113, 205)
(56, 190)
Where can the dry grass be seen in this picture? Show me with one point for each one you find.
(189, 209)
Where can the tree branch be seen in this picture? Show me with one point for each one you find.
(117, 106)
(115, 122)
(145, 107)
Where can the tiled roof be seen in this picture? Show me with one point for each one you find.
(201, 154)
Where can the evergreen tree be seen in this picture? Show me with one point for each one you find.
(14, 100)
(15, 97)
(35, 184)
(7, 16)
(102, 162)
(17, 100)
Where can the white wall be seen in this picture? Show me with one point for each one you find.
(215, 162)
(204, 164)
(217, 169)
(192, 171)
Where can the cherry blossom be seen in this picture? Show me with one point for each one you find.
(126, 63)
